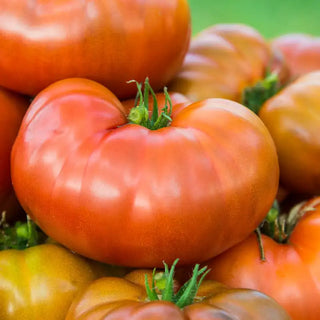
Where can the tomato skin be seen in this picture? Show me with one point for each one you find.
(116, 298)
(12, 110)
(40, 282)
(293, 118)
(97, 184)
(290, 273)
(104, 40)
(222, 60)
(301, 52)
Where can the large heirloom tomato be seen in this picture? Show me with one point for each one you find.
(126, 298)
(221, 62)
(110, 41)
(291, 270)
(293, 118)
(301, 52)
(12, 110)
(125, 194)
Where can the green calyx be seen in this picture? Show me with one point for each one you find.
(140, 113)
(163, 286)
(279, 226)
(254, 97)
(20, 236)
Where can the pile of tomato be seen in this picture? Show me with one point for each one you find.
(128, 145)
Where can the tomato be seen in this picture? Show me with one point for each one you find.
(108, 41)
(293, 118)
(223, 60)
(12, 110)
(40, 282)
(290, 274)
(126, 298)
(121, 193)
(301, 52)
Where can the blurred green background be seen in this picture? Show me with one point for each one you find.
(270, 17)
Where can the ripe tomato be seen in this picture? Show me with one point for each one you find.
(293, 118)
(127, 195)
(291, 272)
(110, 41)
(40, 282)
(126, 298)
(222, 60)
(301, 52)
(12, 110)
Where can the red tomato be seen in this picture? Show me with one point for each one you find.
(110, 41)
(121, 193)
(293, 118)
(12, 110)
(301, 52)
(291, 272)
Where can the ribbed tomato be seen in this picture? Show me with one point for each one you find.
(126, 194)
(40, 282)
(126, 298)
(221, 62)
(110, 41)
(39, 278)
(291, 270)
(293, 118)
(12, 110)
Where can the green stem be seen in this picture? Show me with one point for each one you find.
(255, 96)
(279, 226)
(163, 286)
(260, 243)
(140, 113)
(188, 291)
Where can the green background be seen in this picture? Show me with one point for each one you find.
(270, 17)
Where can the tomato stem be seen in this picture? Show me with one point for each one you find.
(255, 96)
(140, 113)
(261, 249)
(163, 283)
(279, 226)
(20, 236)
